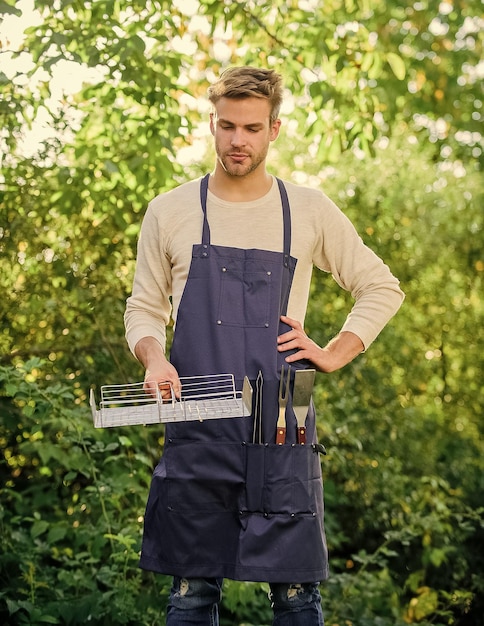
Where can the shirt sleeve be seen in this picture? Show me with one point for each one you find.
(148, 309)
(357, 269)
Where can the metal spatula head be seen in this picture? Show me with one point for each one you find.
(301, 397)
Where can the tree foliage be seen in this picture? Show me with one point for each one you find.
(383, 111)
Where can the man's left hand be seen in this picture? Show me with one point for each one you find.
(339, 351)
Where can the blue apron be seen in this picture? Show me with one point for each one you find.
(221, 505)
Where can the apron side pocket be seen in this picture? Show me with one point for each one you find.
(292, 479)
(202, 476)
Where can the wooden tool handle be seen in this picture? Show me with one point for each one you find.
(280, 436)
(301, 435)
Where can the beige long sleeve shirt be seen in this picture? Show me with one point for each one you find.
(322, 237)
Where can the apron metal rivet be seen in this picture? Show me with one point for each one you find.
(224, 269)
(269, 273)
(219, 321)
(266, 325)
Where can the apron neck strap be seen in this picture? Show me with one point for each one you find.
(286, 216)
(203, 201)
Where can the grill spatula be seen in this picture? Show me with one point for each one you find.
(301, 397)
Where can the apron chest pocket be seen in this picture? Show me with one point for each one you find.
(245, 297)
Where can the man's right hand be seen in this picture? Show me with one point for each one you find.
(160, 373)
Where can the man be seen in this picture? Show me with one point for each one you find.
(230, 259)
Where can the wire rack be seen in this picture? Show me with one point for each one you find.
(202, 398)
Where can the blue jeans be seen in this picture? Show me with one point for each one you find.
(194, 602)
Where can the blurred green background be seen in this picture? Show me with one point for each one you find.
(102, 107)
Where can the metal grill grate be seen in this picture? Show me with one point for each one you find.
(202, 397)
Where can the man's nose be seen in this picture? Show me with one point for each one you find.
(238, 137)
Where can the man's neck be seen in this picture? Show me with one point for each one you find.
(239, 188)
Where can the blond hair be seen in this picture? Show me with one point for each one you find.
(249, 82)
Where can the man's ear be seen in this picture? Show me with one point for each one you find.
(212, 123)
(275, 128)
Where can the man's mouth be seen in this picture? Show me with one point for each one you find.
(238, 157)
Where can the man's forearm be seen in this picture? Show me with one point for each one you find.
(160, 373)
(148, 351)
(342, 349)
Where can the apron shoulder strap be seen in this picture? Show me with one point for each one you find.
(286, 216)
(203, 202)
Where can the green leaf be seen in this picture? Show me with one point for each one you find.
(125, 441)
(367, 61)
(426, 603)
(38, 528)
(56, 533)
(14, 606)
(11, 389)
(7, 8)
(397, 64)
(48, 619)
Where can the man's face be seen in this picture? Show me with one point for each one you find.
(243, 131)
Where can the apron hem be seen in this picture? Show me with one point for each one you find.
(245, 574)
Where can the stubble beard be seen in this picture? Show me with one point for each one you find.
(239, 170)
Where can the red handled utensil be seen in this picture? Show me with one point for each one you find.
(301, 397)
(283, 395)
